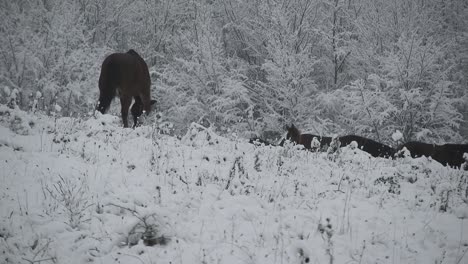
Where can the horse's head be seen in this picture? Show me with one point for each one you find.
(137, 110)
(293, 133)
(100, 107)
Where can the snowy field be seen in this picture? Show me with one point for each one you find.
(89, 191)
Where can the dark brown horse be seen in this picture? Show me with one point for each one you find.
(125, 75)
(296, 136)
(376, 149)
(447, 154)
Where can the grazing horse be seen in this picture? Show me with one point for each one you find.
(447, 154)
(306, 139)
(125, 75)
(368, 145)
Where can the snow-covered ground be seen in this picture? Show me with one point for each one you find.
(89, 191)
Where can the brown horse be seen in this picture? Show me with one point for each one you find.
(125, 75)
(447, 154)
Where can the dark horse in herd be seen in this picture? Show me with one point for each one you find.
(125, 75)
(447, 154)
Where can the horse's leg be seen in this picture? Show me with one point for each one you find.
(125, 102)
(136, 110)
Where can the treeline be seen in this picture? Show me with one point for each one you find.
(368, 67)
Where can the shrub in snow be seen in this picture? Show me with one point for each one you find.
(327, 233)
(334, 149)
(39, 250)
(72, 198)
(6, 91)
(238, 179)
(315, 144)
(257, 162)
(353, 145)
(444, 190)
(403, 153)
(165, 127)
(34, 104)
(58, 108)
(19, 121)
(444, 201)
(290, 149)
(397, 136)
(464, 166)
(148, 229)
(13, 99)
(391, 182)
(198, 135)
(5, 95)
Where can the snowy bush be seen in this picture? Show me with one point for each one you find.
(17, 120)
(149, 230)
(72, 197)
(334, 149)
(123, 193)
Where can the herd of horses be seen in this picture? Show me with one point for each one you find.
(447, 154)
(126, 75)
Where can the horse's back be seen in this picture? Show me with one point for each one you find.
(119, 67)
(126, 71)
(142, 65)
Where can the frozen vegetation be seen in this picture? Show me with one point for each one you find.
(85, 190)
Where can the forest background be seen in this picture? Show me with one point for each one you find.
(250, 67)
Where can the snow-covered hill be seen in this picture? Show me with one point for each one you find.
(89, 191)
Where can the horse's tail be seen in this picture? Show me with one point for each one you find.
(107, 88)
